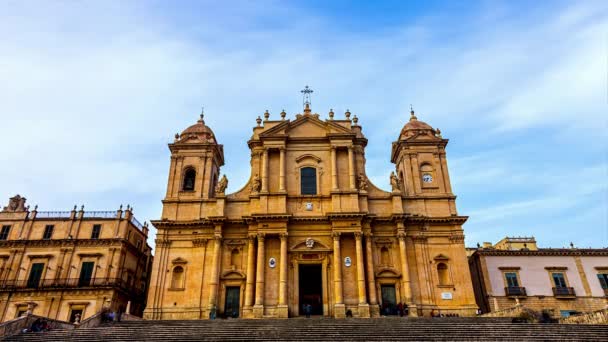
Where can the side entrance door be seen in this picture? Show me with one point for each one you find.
(233, 298)
(389, 300)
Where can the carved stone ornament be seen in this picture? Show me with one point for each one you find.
(310, 243)
(16, 203)
(362, 182)
(272, 262)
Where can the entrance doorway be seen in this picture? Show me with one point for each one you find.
(389, 300)
(233, 299)
(311, 288)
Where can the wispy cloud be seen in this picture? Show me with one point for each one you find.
(92, 92)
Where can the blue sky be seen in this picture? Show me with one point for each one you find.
(92, 92)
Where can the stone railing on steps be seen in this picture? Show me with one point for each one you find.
(17, 325)
(514, 311)
(594, 317)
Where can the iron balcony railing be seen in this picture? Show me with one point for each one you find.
(515, 291)
(563, 292)
(69, 283)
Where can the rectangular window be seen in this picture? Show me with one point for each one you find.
(33, 281)
(96, 231)
(559, 280)
(308, 178)
(603, 277)
(511, 278)
(4, 232)
(48, 232)
(86, 273)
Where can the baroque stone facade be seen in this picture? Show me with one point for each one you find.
(67, 265)
(309, 230)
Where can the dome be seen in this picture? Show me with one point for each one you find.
(198, 131)
(413, 126)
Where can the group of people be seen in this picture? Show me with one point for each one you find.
(108, 316)
(39, 325)
(439, 314)
(389, 309)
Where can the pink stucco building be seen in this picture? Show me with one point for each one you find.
(563, 281)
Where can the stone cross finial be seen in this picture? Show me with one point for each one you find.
(347, 114)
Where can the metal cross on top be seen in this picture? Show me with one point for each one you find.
(306, 95)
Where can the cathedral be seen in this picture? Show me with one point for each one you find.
(309, 233)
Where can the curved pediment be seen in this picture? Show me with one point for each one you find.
(387, 272)
(179, 261)
(233, 274)
(441, 257)
(308, 156)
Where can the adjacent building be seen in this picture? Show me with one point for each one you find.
(562, 280)
(309, 229)
(67, 265)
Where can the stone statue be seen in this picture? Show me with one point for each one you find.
(362, 182)
(222, 185)
(395, 182)
(16, 203)
(256, 184)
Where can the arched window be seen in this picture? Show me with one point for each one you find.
(189, 178)
(308, 181)
(177, 281)
(384, 257)
(442, 273)
(235, 258)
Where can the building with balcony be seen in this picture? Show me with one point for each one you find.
(68, 265)
(562, 280)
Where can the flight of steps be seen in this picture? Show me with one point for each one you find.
(325, 329)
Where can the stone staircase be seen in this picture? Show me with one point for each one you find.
(324, 329)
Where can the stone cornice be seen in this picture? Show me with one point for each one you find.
(544, 252)
(63, 243)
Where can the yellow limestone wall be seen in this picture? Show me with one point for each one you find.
(222, 241)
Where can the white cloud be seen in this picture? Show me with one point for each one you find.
(92, 92)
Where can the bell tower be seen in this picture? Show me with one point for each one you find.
(196, 158)
(421, 165)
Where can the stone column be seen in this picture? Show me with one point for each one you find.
(339, 309)
(363, 306)
(371, 282)
(250, 276)
(282, 308)
(265, 170)
(258, 308)
(351, 168)
(282, 169)
(334, 169)
(405, 276)
(215, 267)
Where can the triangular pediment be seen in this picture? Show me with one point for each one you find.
(308, 125)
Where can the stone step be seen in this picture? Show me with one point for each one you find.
(320, 329)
